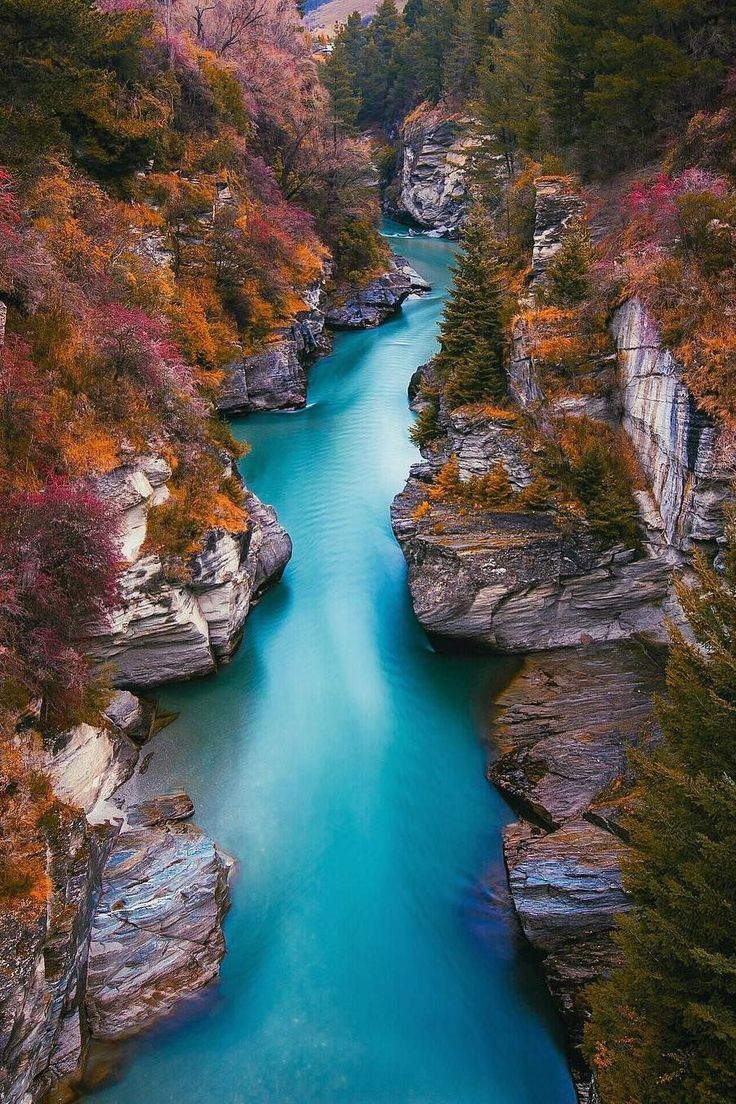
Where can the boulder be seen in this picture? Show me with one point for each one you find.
(371, 305)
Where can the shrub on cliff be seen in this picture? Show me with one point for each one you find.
(471, 357)
(664, 1025)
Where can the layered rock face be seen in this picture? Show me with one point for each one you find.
(689, 460)
(157, 930)
(562, 731)
(164, 630)
(133, 920)
(381, 298)
(432, 186)
(276, 378)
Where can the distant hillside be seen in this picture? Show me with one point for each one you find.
(323, 14)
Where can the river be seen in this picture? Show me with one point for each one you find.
(371, 955)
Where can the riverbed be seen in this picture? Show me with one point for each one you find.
(372, 956)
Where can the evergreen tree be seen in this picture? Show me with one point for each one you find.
(625, 73)
(412, 11)
(567, 277)
(468, 41)
(382, 75)
(427, 48)
(471, 359)
(513, 82)
(339, 81)
(664, 1025)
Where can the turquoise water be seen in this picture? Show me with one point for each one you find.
(372, 959)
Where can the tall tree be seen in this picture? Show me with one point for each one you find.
(339, 80)
(513, 96)
(471, 357)
(626, 73)
(664, 1025)
(427, 48)
(469, 38)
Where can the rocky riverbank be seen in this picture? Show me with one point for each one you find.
(590, 618)
(276, 378)
(133, 920)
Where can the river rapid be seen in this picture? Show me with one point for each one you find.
(372, 957)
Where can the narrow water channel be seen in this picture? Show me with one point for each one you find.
(372, 959)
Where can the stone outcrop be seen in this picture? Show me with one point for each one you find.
(562, 730)
(378, 301)
(163, 629)
(558, 204)
(157, 929)
(431, 189)
(516, 581)
(276, 377)
(133, 920)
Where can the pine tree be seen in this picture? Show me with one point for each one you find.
(340, 84)
(664, 1025)
(427, 48)
(468, 42)
(625, 73)
(513, 81)
(412, 12)
(382, 76)
(472, 330)
(567, 276)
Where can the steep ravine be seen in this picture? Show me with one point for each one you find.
(590, 620)
(133, 921)
(372, 955)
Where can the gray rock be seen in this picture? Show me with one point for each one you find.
(563, 726)
(159, 810)
(373, 304)
(275, 379)
(165, 630)
(157, 932)
(557, 205)
(43, 967)
(432, 186)
(689, 461)
(517, 582)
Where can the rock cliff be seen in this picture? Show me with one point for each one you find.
(133, 920)
(165, 630)
(559, 744)
(531, 582)
(431, 189)
(516, 581)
